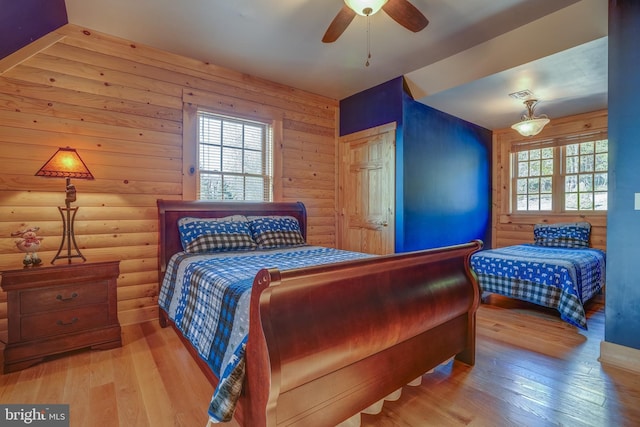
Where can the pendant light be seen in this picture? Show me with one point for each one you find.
(530, 124)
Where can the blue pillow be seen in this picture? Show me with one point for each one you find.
(275, 231)
(201, 235)
(562, 235)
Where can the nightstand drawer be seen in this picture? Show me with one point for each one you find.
(63, 297)
(64, 322)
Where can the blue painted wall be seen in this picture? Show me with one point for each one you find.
(443, 167)
(622, 306)
(447, 185)
(23, 21)
(373, 107)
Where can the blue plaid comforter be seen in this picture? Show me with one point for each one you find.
(207, 296)
(559, 278)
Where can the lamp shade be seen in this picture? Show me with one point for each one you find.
(530, 127)
(365, 7)
(65, 163)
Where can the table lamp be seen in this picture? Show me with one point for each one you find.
(66, 163)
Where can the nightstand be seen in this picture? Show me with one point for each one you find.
(56, 309)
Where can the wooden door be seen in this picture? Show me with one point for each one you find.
(366, 190)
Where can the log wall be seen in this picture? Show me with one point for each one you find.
(512, 229)
(121, 105)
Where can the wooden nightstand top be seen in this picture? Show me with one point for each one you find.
(55, 274)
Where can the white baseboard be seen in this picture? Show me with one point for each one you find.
(620, 356)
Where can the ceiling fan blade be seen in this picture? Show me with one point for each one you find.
(406, 14)
(339, 24)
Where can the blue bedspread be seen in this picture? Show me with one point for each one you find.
(207, 296)
(559, 278)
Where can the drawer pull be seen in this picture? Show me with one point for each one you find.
(61, 323)
(72, 297)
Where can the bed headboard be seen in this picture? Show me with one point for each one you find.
(169, 211)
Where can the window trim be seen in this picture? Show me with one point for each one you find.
(194, 100)
(558, 193)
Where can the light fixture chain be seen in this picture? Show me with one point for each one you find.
(368, 39)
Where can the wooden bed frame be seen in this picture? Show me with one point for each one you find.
(327, 342)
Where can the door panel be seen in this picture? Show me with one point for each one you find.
(367, 190)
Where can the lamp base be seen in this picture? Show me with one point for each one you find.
(68, 236)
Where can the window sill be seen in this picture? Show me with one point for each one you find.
(595, 219)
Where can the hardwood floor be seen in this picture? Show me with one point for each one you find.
(532, 369)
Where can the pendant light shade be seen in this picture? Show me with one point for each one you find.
(531, 125)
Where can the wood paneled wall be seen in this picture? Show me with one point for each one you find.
(511, 229)
(121, 106)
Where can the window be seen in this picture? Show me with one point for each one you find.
(234, 158)
(586, 180)
(561, 175)
(535, 179)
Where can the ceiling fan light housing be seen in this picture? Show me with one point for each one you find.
(360, 6)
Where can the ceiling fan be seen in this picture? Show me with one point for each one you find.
(403, 12)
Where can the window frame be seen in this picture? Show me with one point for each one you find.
(559, 145)
(224, 105)
(266, 153)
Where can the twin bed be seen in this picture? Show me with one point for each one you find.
(292, 334)
(559, 270)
